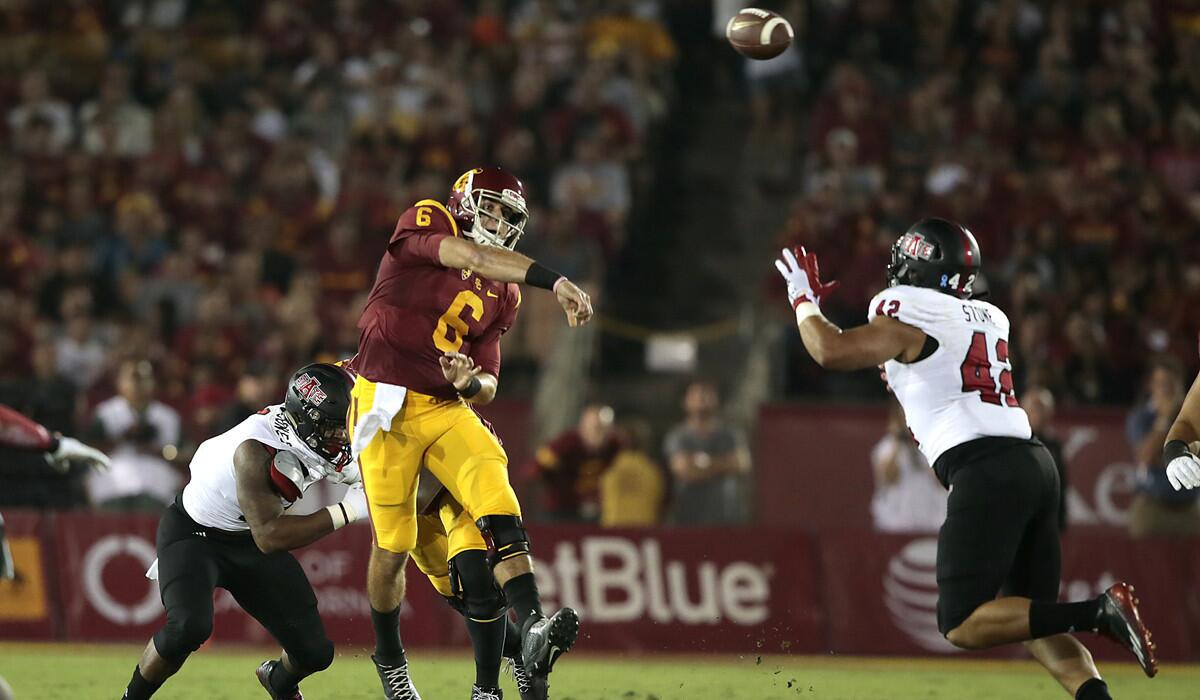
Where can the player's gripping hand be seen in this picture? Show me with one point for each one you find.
(802, 273)
(72, 449)
(458, 369)
(574, 301)
(1184, 472)
(352, 507)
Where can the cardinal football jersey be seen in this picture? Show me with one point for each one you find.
(418, 310)
(964, 390)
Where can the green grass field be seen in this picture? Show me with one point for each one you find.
(58, 672)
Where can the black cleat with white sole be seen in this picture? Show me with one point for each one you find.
(547, 638)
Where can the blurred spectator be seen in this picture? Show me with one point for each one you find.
(37, 102)
(908, 497)
(1158, 509)
(50, 399)
(141, 435)
(632, 489)
(114, 124)
(708, 459)
(256, 389)
(570, 466)
(1038, 403)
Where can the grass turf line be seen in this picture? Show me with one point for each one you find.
(53, 671)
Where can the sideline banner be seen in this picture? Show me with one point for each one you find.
(746, 591)
(102, 559)
(684, 590)
(882, 591)
(28, 607)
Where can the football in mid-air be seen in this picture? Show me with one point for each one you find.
(758, 34)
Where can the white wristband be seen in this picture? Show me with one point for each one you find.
(805, 309)
(337, 513)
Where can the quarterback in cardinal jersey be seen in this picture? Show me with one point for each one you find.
(429, 349)
(946, 357)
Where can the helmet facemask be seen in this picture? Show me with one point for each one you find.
(499, 217)
(328, 438)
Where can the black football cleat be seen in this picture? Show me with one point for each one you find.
(396, 683)
(547, 638)
(529, 686)
(264, 677)
(1120, 622)
(478, 693)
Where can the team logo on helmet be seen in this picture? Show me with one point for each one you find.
(915, 245)
(463, 183)
(310, 388)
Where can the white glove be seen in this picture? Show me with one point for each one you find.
(799, 288)
(1184, 472)
(70, 448)
(350, 508)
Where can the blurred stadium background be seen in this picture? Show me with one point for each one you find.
(194, 195)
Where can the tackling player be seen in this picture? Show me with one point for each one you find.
(947, 361)
(229, 529)
(429, 348)
(1179, 453)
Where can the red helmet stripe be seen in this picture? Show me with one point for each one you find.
(966, 243)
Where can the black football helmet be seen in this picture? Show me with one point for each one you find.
(316, 404)
(936, 254)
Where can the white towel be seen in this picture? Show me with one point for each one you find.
(389, 399)
(152, 572)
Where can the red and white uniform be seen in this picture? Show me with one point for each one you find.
(211, 499)
(964, 390)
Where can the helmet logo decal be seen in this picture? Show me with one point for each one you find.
(307, 386)
(464, 181)
(914, 244)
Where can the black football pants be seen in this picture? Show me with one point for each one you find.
(193, 560)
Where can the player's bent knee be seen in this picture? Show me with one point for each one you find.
(182, 635)
(507, 534)
(315, 655)
(472, 580)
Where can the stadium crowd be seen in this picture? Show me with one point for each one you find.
(1067, 137)
(206, 186)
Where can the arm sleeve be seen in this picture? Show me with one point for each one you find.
(17, 431)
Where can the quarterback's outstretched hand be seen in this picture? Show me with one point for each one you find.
(72, 449)
(575, 302)
(1184, 472)
(802, 273)
(458, 369)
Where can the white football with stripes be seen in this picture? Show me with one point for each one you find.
(758, 34)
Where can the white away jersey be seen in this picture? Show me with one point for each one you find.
(210, 498)
(964, 390)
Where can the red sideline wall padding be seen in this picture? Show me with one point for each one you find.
(755, 590)
(813, 466)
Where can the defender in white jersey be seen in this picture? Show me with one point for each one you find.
(946, 357)
(229, 529)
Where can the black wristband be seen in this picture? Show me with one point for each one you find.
(1173, 449)
(538, 275)
(471, 389)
